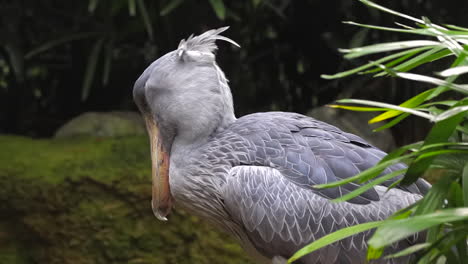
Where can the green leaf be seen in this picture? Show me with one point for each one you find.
(427, 79)
(219, 8)
(333, 237)
(367, 174)
(384, 47)
(56, 42)
(131, 7)
(370, 65)
(368, 186)
(409, 250)
(440, 132)
(411, 31)
(107, 62)
(16, 58)
(357, 108)
(451, 112)
(428, 56)
(392, 123)
(410, 103)
(146, 18)
(454, 71)
(173, 4)
(92, 5)
(387, 10)
(390, 106)
(434, 199)
(392, 231)
(465, 184)
(91, 68)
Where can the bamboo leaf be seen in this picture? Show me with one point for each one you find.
(219, 8)
(454, 71)
(146, 18)
(370, 65)
(465, 184)
(367, 174)
(410, 103)
(173, 4)
(56, 42)
(107, 62)
(383, 47)
(357, 108)
(92, 5)
(392, 123)
(333, 237)
(432, 80)
(389, 106)
(368, 186)
(409, 250)
(392, 231)
(91, 68)
(131, 7)
(439, 132)
(387, 10)
(428, 56)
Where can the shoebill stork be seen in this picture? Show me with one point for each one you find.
(252, 176)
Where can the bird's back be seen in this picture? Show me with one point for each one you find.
(268, 163)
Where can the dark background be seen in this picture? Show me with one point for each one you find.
(62, 58)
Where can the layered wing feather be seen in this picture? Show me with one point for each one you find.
(281, 217)
(309, 152)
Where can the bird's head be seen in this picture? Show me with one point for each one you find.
(183, 95)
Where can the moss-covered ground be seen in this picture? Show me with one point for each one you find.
(87, 200)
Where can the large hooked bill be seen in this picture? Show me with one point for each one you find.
(161, 202)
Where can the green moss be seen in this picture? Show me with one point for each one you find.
(87, 200)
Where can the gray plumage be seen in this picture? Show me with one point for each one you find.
(253, 176)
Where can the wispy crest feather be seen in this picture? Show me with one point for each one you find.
(206, 41)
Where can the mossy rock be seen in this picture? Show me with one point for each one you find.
(87, 200)
(103, 124)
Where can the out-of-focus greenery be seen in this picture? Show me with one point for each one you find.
(443, 211)
(87, 200)
(60, 59)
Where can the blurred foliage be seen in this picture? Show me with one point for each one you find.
(60, 59)
(87, 200)
(443, 211)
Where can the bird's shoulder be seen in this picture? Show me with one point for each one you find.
(308, 152)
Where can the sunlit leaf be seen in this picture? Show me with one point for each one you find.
(357, 108)
(410, 103)
(387, 10)
(389, 106)
(432, 80)
(333, 237)
(454, 71)
(392, 122)
(370, 65)
(392, 231)
(368, 186)
(383, 47)
(367, 174)
(428, 56)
